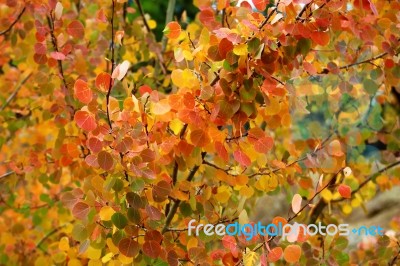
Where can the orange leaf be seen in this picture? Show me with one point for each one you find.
(320, 37)
(82, 91)
(172, 30)
(275, 254)
(264, 144)
(103, 81)
(199, 138)
(292, 253)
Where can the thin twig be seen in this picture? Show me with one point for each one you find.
(50, 22)
(368, 179)
(176, 204)
(14, 22)
(15, 92)
(49, 234)
(139, 5)
(112, 65)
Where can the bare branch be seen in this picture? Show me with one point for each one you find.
(14, 22)
(15, 92)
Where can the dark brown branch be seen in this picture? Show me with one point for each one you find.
(370, 178)
(364, 61)
(176, 204)
(139, 5)
(304, 9)
(393, 261)
(14, 93)
(112, 65)
(50, 22)
(14, 22)
(49, 234)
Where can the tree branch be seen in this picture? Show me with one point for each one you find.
(112, 64)
(15, 92)
(370, 178)
(14, 22)
(50, 22)
(139, 5)
(176, 204)
(49, 234)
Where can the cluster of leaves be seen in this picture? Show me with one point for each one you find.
(111, 142)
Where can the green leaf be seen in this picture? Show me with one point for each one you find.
(370, 86)
(119, 220)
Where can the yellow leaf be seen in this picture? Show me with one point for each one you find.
(106, 212)
(326, 195)
(176, 126)
(125, 260)
(246, 191)
(64, 243)
(240, 49)
(107, 257)
(347, 209)
(74, 262)
(251, 258)
(192, 243)
(224, 194)
(243, 218)
(93, 253)
(152, 24)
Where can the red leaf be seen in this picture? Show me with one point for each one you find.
(76, 29)
(128, 247)
(229, 242)
(85, 120)
(153, 213)
(320, 38)
(242, 158)
(206, 16)
(224, 47)
(344, 191)
(260, 4)
(143, 89)
(105, 160)
(152, 249)
(80, 210)
(82, 91)
(94, 144)
(103, 81)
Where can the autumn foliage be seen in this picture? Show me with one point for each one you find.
(112, 141)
